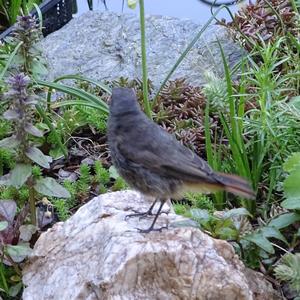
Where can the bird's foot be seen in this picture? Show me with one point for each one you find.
(144, 214)
(152, 229)
(139, 214)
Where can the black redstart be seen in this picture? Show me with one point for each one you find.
(153, 162)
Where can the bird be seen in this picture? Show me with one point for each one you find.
(153, 162)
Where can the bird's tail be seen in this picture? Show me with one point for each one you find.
(236, 185)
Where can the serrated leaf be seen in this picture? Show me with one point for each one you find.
(291, 184)
(272, 232)
(38, 157)
(292, 162)
(20, 174)
(259, 240)
(236, 212)
(9, 142)
(33, 130)
(284, 220)
(8, 209)
(49, 187)
(132, 3)
(3, 225)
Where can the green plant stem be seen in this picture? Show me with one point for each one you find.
(32, 201)
(147, 107)
(2, 272)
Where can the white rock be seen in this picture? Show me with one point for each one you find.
(97, 254)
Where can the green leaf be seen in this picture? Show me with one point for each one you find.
(38, 157)
(131, 4)
(200, 215)
(33, 130)
(18, 252)
(20, 174)
(236, 212)
(291, 185)
(259, 240)
(15, 289)
(291, 203)
(3, 225)
(9, 142)
(38, 68)
(49, 187)
(113, 173)
(272, 232)
(284, 220)
(292, 162)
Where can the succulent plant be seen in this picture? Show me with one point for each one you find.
(263, 20)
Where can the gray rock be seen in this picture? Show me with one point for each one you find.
(106, 45)
(97, 254)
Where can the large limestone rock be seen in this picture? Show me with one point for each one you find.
(97, 254)
(106, 45)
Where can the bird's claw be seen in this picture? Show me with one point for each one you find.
(151, 229)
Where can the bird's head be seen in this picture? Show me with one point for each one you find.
(123, 100)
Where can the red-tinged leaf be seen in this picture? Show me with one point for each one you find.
(8, 209)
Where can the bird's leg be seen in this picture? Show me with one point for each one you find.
(151, 228)
(145, 213)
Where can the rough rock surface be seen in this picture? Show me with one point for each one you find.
(96, 254)
(106, 45)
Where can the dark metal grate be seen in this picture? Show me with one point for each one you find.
(56, 13)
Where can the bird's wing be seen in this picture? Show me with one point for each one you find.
(166, 156)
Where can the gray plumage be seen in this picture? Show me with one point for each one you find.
(152, 161)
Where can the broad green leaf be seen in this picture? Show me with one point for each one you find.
(200, 214)
(20, 174)
(259, 240)
(292, 162)
(38, 157)
(3, 225)
(291, 185)
(132, 3)
(291, 203)
(284, 220)
(38, 68)
(18, 252)
(49, 187)
(236, 212)
(272, 232)
(9, 142)
(15, 289)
